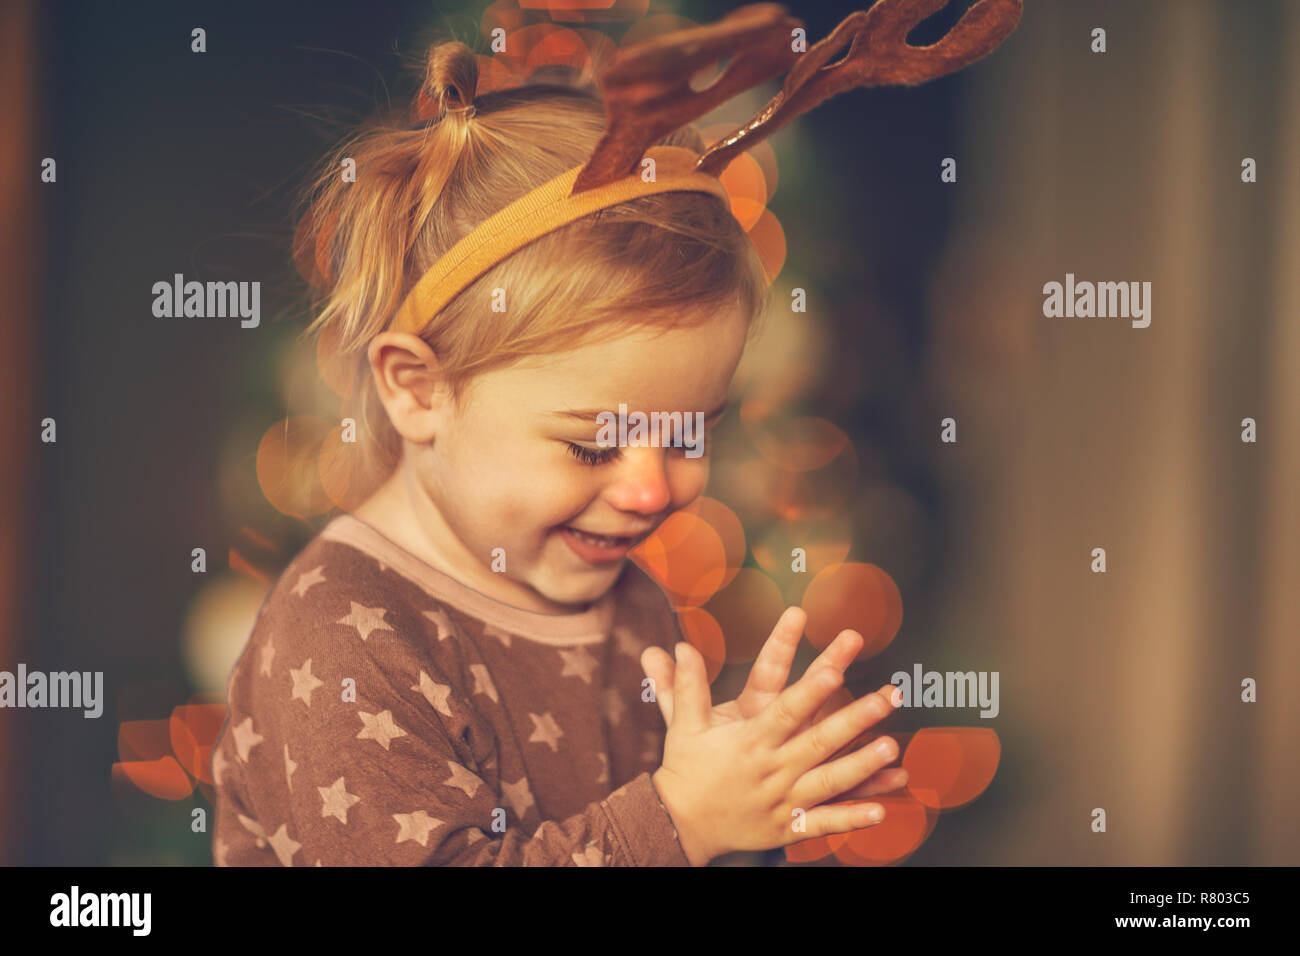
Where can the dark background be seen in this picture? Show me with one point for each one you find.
(170, 161)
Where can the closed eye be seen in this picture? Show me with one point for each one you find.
(592, 456)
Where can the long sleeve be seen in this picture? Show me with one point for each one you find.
(405, 774)
(382, 714)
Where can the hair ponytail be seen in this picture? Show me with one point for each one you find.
(451, 79)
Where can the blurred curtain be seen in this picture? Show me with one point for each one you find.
(1122, 690)
(20, 241)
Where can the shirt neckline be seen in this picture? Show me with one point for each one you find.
(584, 627)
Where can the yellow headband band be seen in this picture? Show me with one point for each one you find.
(545, 209)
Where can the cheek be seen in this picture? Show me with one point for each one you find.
(529, 497)
(686, 480)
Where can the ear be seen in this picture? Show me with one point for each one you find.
(409, 382)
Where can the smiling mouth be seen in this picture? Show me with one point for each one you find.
(605, 540)
(600, 550)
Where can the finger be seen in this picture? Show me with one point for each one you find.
(892, 693)
(828, 780)
(823, 740)
(841, 652)
(893, 696)
(691, 698)
(659, 667)
(883, 781)
(840, 818)
(771, 668)
(783, 717)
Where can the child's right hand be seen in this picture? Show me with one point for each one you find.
(733, 777)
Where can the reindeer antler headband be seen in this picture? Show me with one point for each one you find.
(647, 96)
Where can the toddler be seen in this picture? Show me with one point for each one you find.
(466, 669)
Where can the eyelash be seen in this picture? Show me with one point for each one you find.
(592, 457)
(595, 457)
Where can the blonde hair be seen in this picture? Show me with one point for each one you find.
(663, 260)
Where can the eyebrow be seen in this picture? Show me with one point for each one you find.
(586, 415)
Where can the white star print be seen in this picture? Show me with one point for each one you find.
(379, 727)
(284, 846)
(304, 682)
(578, 663)
(415, 826)
(614, 706)
(366, 620)
(490, 631)
(219, 765)
(307, 579)
(628, 643)
(436, 694)
(245, 738)
(289, 768)
(483, 682)
(440, 618)
(462, 779)
(255, 828)
(546, 731)
(268, 652)
(337, 800)
(520, 796)
(591, 856)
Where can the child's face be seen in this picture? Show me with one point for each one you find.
(502, 472)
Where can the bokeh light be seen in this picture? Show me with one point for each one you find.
(686, 556)
(948, 767)
(745, 184)
(853, 595)
(217, 624)
(746, 609)
(728, 528)
(768, 238)
(162, 778)
(824, 542)
(798, 444)
(143, 740)
(703, 632)
(342, 472)
(287, 467)
(194, 729)
(908, 823)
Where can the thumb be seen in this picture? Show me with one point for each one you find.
(659, 667)
(692, 699)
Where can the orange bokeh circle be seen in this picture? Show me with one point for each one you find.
(686, 557)
(948, 767)
(287, 467)
(729, 529)
(856, 596)
(703, 632)
(907, 824)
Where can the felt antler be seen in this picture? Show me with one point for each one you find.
(648, 95)
(879, 56)
(647, 91)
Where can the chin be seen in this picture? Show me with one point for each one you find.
(580, 589)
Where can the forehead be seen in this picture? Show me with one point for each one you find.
(677, 369)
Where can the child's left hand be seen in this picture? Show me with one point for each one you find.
(768, 677)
